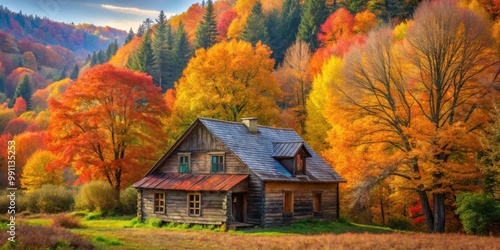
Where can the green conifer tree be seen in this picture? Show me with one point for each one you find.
(130, 36)
(24, 90)
(143, 59)
(255, 28)
(182, 50)
(74, 72)
(206, 33)
(314, 13)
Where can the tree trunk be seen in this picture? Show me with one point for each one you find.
(439, 214)
(426, 209)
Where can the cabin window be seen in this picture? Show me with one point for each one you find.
(317, 203)
(287, 202)
(194, 204)
(184, 163)
(159, 203)
(217, 164)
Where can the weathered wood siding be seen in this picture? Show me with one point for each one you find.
(303, 194)
(255, 200)
(213, 207)
(201, 143)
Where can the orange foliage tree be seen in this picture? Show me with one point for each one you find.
(107, 125)
(413, 109)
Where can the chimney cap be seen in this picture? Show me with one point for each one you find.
(251, 124)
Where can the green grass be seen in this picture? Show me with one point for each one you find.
(311, 227)
(106, 241)
(38, 221)
(108, 222)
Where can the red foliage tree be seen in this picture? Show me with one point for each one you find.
(16, 126)
(107, 125)
(20, 106)
(224, 21)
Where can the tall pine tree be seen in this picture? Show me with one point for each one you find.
(206, 32)
(182, 50)
(130, 36)
(24, 90)
(289, 22)
(255, 28)
(160, 49)
(143, 59)
(74, 72)
(314, 13)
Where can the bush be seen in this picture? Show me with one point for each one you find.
(96, 195)
(477, 211)
(93, 216)
(400, 224)
(66, 221)
(50, 199)
(154, 223)
(21, 202)
(39, 237)
(128, 201)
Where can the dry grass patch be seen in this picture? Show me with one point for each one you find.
(134, 238)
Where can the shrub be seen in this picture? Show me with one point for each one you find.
(21, 202)
(96, 195)
(400, 224)
(154, 223)
(477, 211)
(128, 201)
(39, 237)
(50, 199)
(66, 221)
(93, 216)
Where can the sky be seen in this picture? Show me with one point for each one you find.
(121, 14)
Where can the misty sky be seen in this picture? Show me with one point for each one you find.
(122, 14)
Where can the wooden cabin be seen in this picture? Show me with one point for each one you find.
(222, 172)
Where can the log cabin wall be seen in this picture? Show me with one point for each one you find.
(202, 144)
(303, 201)
(213, 207)
(255, 200)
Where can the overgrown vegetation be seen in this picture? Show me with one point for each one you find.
(50, 199)
(43, 237)
(96, 195)
(477, 211)
(66, 221)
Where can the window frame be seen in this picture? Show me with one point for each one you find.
(288, 202)
(179, 157)
(159, 208)
(194, 202)
(218, 154)
(299, 158)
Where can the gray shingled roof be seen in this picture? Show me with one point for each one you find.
(256, 149)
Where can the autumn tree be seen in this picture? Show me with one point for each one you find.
(19, 106)
(295, 82)
(229, 81)
(107, 125)
(490, 159)
(29, 61)
(206, 32)
(417, 107)
(37, 172)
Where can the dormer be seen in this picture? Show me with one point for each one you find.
(292, 155)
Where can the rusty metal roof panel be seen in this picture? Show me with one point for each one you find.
(188, 182)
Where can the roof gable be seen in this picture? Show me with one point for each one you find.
(256, 150)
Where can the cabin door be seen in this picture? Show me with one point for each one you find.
(240, 207)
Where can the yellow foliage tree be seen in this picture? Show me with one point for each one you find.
(36, 172)
(229, 81)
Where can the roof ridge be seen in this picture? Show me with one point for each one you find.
(241, 123)
(288, 141)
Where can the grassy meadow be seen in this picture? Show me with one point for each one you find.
(125, 232)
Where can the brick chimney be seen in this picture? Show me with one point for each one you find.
(251, 124)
